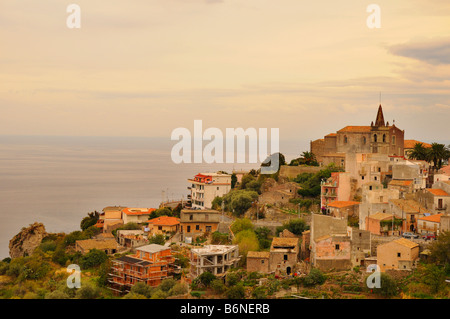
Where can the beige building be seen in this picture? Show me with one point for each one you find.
(400, 254)
(375, 198)
(207, 186)
(136, 215)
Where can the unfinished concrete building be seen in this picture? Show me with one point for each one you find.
(216, 259)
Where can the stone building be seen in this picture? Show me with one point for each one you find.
(258, 261)
(284, 253)
(379, 137)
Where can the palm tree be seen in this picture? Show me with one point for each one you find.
(438, 153)
(308, 158)
(419, 152)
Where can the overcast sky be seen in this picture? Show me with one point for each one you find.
(145, 67)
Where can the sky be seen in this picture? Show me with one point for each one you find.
(146, 67)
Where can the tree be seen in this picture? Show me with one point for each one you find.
(218, 286)
(167, 284)
(90, 220)
(419, 152)
(93, 258)
(206, 278)
(242, 201)
(87, 291)
(440, 249)
(219, 238)
(241, 224)
(295, 226)
(263, 234)
(233, 180)
(141, 288)
(157, 239)
(127, 226)
(178, 289)
(434, 276)
(308, 158)
(438, 153)
(217, 203)
(232, 279)
(247, 241)
(315, 277)
(165, 211)
(236, 292)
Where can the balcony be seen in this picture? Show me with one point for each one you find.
(441, 207)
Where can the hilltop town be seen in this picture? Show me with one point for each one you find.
(361, 199)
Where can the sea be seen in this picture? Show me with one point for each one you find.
(58, 180)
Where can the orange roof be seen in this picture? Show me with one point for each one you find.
(164, 221)
(342, 203)
(412, 143)
(437, 192)
(138, 211)
(396, 182)
(432, 218)
(356, 129)
(331, 134)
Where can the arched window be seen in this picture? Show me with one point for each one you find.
(364, 140)
(345, 139)
(375, 137)
(384, 138)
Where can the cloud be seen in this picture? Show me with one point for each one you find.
(436, 52)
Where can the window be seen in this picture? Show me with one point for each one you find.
(197, 227)
(393, 140)
(384, 138)
(364, 140)
(189, 229)
(159, 227)
(362, 177)
(285, 257)
(336, 247)
(217, 187)
(399, 254)
(262, 261)
(375, 138)
(345, 139)
(360, 234)
(191, 217)
(208, 228)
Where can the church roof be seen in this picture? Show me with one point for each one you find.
(380, 118)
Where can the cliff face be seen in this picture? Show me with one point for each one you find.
(27, 240)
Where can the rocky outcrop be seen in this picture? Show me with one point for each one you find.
(27, 240)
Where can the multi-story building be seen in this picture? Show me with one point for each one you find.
(136, 215)
(336, 188)
(216, 259)
(400, 254)
(150, 264)
(206, 186)
(195, 222)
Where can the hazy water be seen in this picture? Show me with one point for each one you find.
(58, 180)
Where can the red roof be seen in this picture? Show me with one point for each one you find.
(164, 221)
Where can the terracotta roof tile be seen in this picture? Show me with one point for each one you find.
(412, 143)
(406, 243)
(432, 218)
(437, 192)
(164, 221)
(340, 203)
(356, 129)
